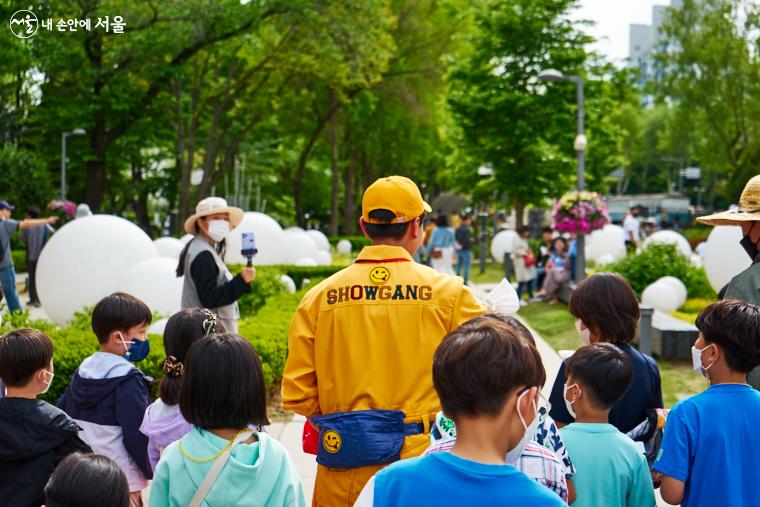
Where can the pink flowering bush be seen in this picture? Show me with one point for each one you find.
(64, 209)
(582, 212)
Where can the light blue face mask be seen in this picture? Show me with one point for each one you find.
(138, 351)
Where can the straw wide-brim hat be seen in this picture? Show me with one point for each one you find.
(748, 210)
(212, 206)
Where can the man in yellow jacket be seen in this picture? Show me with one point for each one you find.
(361, 344)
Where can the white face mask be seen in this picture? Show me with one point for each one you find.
(569, 404)
(585, 334)
(514, 454)
(50, 381)
(218, 229)
(696, 360)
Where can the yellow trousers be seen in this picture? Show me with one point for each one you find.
(340, 487)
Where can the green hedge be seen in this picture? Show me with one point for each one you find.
(357, 242)
(659, 260)
(19, 260)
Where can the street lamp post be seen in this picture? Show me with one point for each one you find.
(75, 132)
(552, 76)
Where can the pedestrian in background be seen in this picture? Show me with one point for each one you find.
(34, 238)
(463, 237)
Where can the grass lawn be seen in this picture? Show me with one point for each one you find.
(555, 324)
(493, 274)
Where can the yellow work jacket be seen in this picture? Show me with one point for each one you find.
(365, 337)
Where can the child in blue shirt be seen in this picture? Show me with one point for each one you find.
(487, 377)
(709, 454)
(609, 469)
(108, 395)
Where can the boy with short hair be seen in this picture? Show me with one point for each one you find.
(34, 435)
(108, 395)
(610, 469)
(709, 453)
(488, 380)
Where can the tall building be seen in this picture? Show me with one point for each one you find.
(644, 40)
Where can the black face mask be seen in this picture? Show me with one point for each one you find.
(748, 246)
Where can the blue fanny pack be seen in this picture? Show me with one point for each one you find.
(362, 438)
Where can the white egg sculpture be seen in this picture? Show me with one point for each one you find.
(323, 258)
(169, 247)
(186, 238)
(344, 246)
(608, 241)
(678, 286)
(299, 245)
(605, 259)
(502, 243)
(269, 237)
(306, 262)
(661, 296)
(155, 282)
(294, 229)
(700, 248)
(158, 327)
(724, 257)
(319, 239)
(290, 285)
(696, 261)
(85, 261)
(670, 238)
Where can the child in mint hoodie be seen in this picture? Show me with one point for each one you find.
(163, 422)
(223, 397)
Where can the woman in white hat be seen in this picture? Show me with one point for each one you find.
(208, 282)
(746, 285)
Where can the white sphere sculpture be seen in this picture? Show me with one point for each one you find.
(671, 238)
(700, 248)
(294, 229)
(661, 296)
(158, 327)
(299, 245)
(724, 257)
(270, 240)
(186, 238)
(306, 262)
(696, 261)
(344, 246)
(85, 260)
(608, 241)
(605, 259)
(502, 243)
(155, 282)
(290, 285)
(678, 286)
(319, 239)
(323, 258)
(169, 247)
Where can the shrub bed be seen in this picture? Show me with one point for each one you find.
(660, 260)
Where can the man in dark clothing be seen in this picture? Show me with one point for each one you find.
(35, 238)
(463, 237)
(34, 435)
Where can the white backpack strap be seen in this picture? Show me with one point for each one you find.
(215, 470)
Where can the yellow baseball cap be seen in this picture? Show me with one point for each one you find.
(397, 194)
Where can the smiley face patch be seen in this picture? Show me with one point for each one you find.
(331, 441)
(379, 275)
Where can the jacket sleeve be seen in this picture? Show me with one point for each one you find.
(467, 307)
(74, 444)
(132, 399)
(299, 379)
(159, 488)
(212, 295)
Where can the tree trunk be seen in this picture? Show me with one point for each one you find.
(140, 200)
(519, 212)
(335, 178)
(97, 179)
(349, 221)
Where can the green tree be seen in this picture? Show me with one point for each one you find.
(711, 71)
